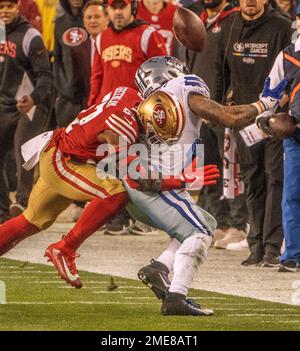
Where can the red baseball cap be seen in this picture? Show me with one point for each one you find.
(110, 2)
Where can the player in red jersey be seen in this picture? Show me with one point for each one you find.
(65, 176)
(160, 14)
(121, 49)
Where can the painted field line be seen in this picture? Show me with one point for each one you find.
(254, 309)
(207, 297)
(284, 321)
(16, 267)
(77, 303)
(107, 284)
(262, 315)
(62, 281)
(56, 281)
(112, 292)
(28, 273)
(139, 298)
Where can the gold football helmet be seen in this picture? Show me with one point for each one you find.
(162, 116)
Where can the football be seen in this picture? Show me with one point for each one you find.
(189, 30)
(282, 125)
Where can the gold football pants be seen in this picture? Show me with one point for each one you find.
(61, 182)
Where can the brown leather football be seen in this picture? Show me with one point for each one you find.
(282, 125)
(189, 29)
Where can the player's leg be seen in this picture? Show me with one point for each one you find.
(176, 213)
(81, 182)
(44, 206)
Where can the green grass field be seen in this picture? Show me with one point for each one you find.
(38, 300)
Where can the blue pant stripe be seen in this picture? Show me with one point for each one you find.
(180, 210)
(193, 213)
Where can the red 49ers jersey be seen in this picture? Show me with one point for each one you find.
(114, 113)
(161, 21)
(118, 56)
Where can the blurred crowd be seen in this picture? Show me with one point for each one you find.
(65, 55)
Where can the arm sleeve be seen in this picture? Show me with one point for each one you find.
(277, 72)
(96, 77)
(41, 72)
(156, 45)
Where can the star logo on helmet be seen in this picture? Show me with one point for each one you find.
(160, 116)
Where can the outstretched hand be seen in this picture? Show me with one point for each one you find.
(270, 98)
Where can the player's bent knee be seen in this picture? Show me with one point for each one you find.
(196, 246)
(41, 222)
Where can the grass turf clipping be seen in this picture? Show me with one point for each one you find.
(36, 299)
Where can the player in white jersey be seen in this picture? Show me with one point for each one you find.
(190, 227)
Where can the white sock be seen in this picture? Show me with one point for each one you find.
(188, 258)
(167, 257)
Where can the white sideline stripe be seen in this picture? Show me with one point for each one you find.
(28, 273)
(262, 315)
(139, 298)
(112, 292)
(272, 321)
(119, 287)
(16, 267)
(210, 298)
(78, 302)
(254, 309)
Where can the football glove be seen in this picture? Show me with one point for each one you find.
(262, 121)
(270, 98)
(192, 177)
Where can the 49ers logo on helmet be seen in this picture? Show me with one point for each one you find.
(159, 116)
(74, 36)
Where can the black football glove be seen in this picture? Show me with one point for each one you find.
(262, 121)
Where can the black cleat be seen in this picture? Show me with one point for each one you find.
(155, 276)
(183, 307)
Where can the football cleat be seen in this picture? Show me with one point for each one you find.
(183, 307)
(64, 262)
(155, 276)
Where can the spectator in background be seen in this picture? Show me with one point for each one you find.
(160, 14)
(24, 58)
(231, 215)
(70, 100)
(95, 20)
(248, 46)
(287, 66)
(30, 10)
(48, 10)
(287, 7)
(69, 33)
(122, 48)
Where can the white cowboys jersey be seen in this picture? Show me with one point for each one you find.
(176, 157)
(175, 212)
(182, 87)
